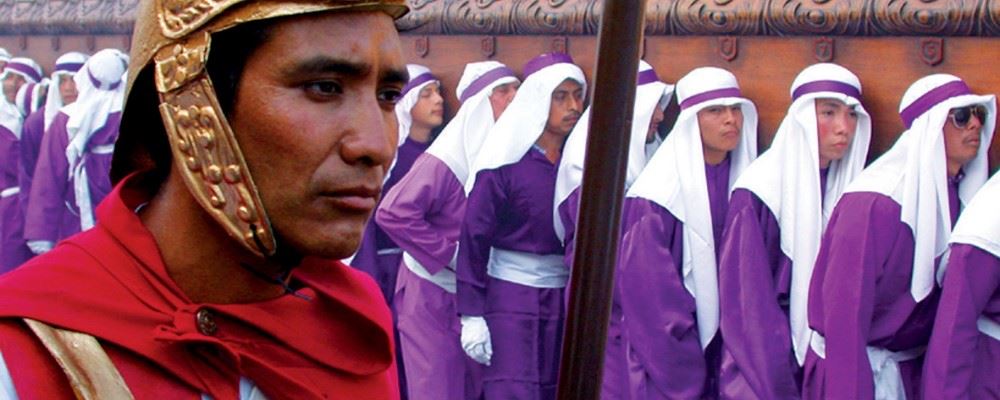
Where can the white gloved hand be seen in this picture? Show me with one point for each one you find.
(476, 339)
(40, 246)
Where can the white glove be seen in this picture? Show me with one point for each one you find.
(476, 339)
(40, 246)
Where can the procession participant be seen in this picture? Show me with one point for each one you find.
(71, 173)
(883, 241)
(19, 73)
(61, 91)
(419, 111)
(651, 99)
(673, 217)
(423, 214)
(964, 352)
(777, 212)
(510, 272)
(242, 178)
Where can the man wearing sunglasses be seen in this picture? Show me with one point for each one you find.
(873, 296)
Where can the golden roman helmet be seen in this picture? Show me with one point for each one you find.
(172, 40)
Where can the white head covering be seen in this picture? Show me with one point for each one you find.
(10, 116)
(458, 144)
(66, 65)
(101, 93)
(786, 178)
(29, 98)
(980, 221)
(4, 55)
(650, 94)
(523, 122)
(914, 171)
(675, 179)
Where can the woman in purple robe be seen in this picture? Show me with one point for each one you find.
(423, 214)
(873, 296)
(673, 217)
(651, 98)
(765, 266)
(419, 111)
(510, 269)
(963, 356)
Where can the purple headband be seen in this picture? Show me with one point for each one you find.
(483, 81)
(538, 63)
(71, 67)
(931, 99)
(826, 86)
(710, 95)
(98, 84)
(647, 76)
(25, 70)
(415, 82)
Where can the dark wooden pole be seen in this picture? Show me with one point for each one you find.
(613, 99)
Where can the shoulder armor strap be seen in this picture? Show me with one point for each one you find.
(89, 369)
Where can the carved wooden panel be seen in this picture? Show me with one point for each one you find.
(580, 17)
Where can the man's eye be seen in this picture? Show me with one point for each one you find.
(325, 88)
(391, 95)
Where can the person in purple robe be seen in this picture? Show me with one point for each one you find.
(419, 111)
(61, 90)
(71, 175)
(777, 211)
(18, 73)
(673, 217)
(651, 98)
(423, 214)
(963, 356)
(510, 270)
(873, 295)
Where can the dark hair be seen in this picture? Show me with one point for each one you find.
(142, 143)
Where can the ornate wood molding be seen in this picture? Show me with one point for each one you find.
(939, 18)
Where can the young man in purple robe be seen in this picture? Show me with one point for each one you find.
(419, 111)
(651, 99)
(423, 214)
(18, 72)
(963, 356)
(773, 229)
(510, 272)
(872, 296)
(71, 175)
(673, 217)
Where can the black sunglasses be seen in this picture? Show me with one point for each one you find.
(960, 117)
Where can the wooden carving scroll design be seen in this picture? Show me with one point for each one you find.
(938, 18)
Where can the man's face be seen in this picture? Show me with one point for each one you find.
(314, 117)
(429, 111)
(501, 97)
(567, 105)
(721, 127)
(654, 123)
(67, 89)
(11, 83)
(961, 135)
(836, 124)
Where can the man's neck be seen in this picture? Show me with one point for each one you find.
(953, 168)
(207, 264)
(713, 157)
(552, 144)
(420, 134)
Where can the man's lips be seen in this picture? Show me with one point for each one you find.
(358, 199)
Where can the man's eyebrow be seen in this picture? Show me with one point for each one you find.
(395, 76)
(323, 64)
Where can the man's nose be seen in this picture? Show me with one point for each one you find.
(371, 135)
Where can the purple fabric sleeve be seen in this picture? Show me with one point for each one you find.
(423, 213)
(859, 296)
(474, 243)
(660, 329)
(46, 210)
(568, 210)
(31, 143)
(754, 284)
(962, 362)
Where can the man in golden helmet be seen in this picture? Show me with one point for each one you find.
(254, 140)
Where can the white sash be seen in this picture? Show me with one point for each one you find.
(989, 327)
(445, 278)
(884, 364)
(529, 269)
(11, 191)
